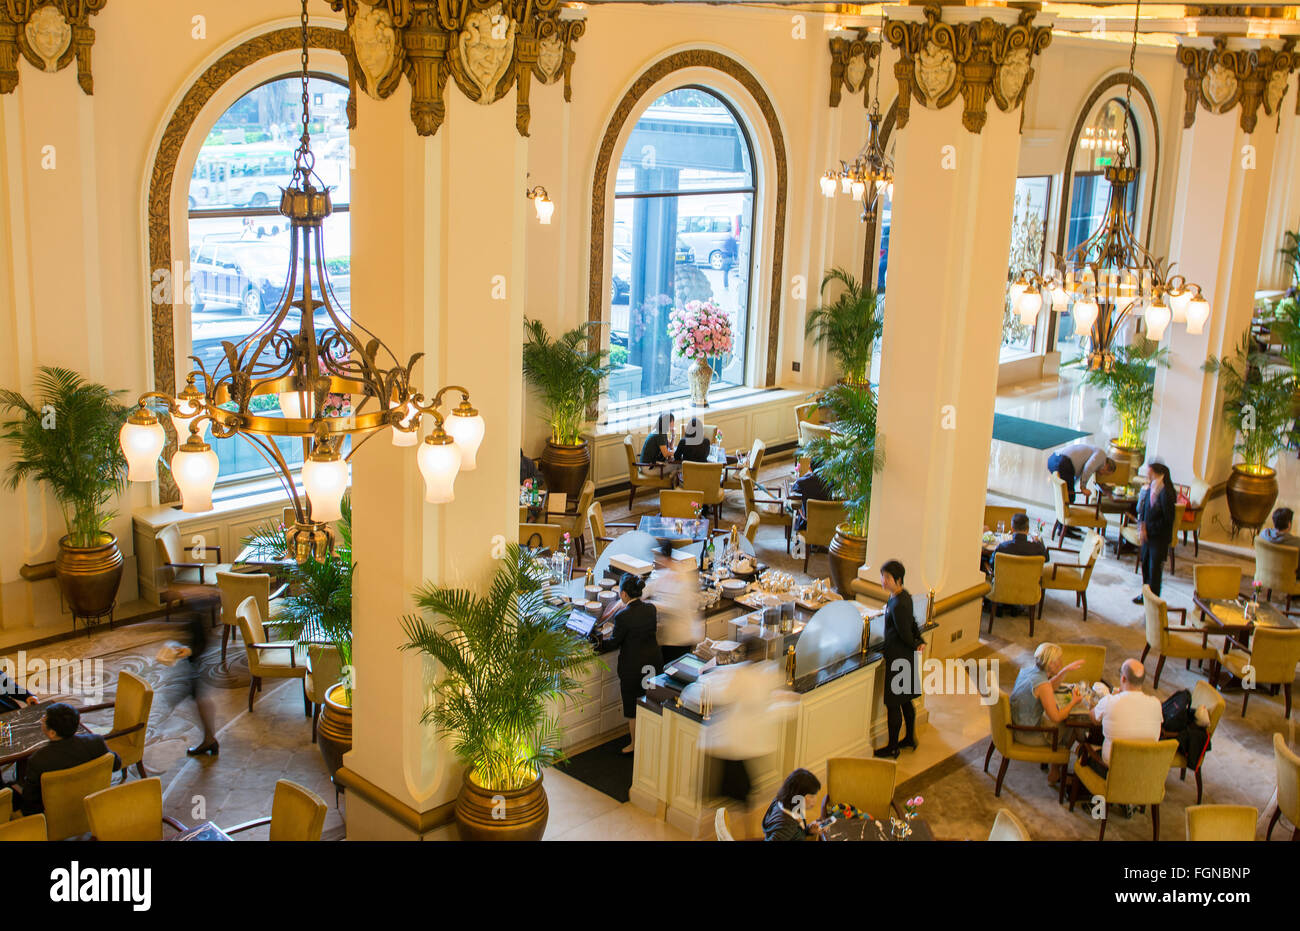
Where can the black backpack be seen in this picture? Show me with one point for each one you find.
(1178, 711)
(1180, 719)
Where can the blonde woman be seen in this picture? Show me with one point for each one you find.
(1033, 701)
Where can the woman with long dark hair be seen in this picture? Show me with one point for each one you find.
(787, 816)
(1156, 524)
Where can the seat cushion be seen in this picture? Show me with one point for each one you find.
(1094, 783)
(1067, 578)
(1084, 517)
(191, 576)
(1188, 646)
(194, 596)
(1131, 534)
(1032, 753)
(1235, 662)
(279, 660)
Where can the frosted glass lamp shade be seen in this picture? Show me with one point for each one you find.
(439, 461)
(1158, 316)
(142, 442)
(1198, 311)
(467, 430)
(195, 469)
(1085, 315)
(325, 478)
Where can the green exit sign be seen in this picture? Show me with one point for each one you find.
(1103, 160)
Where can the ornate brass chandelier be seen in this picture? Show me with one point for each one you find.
(871, 172)
(1110, 275)
(307, 370)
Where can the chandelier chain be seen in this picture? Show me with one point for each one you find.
(1128, 88)
(304, 160)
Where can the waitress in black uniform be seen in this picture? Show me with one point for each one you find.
(639, 654)
(902, 639)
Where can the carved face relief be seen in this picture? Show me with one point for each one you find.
(550, 56)
(1013, 73)
(1276, 90)
(935, 71)
(487, 44)
(49, 34)
(855, 72)
(375, 41)
(1219, 86)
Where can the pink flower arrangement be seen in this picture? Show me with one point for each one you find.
(700, 329)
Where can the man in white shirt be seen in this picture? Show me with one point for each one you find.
(1128, 714)
(1079, 462)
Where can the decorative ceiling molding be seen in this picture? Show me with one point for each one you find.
(851, 65)
(1221, 78)
(938, 61)
(49, 34)
(485, 46)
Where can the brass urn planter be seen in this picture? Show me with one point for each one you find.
(565, 467)
(699, 375)
(848, 552)
(501, 814)
(1251, 493)
(1133, 455)
(334, 730)
(89, 575)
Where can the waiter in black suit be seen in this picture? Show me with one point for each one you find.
(1156, 521)
(12, 695)
(902, 640)
(65, 750)
(639, 654)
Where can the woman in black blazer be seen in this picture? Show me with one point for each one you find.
(902, 639)
(1156, 520)
(694, 445)
(639, 654)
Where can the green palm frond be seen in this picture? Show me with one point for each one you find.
(1257, 401)
(847, 458)
(566, 373)
(1130, 386)
(848, 326)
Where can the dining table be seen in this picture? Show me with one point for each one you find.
(21, 734)
(207, 831)
(869, 829)
(1227, 616)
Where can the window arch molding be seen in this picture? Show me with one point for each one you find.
(723, 75)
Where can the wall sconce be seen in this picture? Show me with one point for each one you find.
(542, 201)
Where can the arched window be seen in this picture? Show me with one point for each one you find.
(683, 231)
(239, 242)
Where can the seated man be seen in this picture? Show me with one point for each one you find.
(809, 486)
(12, 695)
(65, 750)
(1127, 714)
(1280, 533)
(1020, 544)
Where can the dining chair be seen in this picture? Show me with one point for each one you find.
(721, 830)
(1198, 491)
(641, 475)
(823, 517)
(1211, 581)
(600, 537)
(770, 511)
(297, 814)
(575, 524)
(1073, 576)
(6, 805)
(131, 705)
(1204, 695)
(234, 588)
(1221, 822)
(324, 671)
(1275, 569)
(132, 812)
(705, 479)
(1181, 642)
(546, 536)
(866, 784)
(678, 504)
(808, 431)
(1288, 787)
(1073, 515)
(183, 583)
(280, 659)
(1270, 659)
(63, 793)
(1017, 580)
(995, 514)
(1136, 776)
(31, 828)
(753, 463)
(1007, 827)
(1130, 531)
(1094, 663)
(1002, 737)
(752, 522)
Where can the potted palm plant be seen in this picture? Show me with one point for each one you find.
(503, 657)
(1257, 408)
(68, 438)
(1129, 388)
(566, 374)
(848, 326)
(847, 460)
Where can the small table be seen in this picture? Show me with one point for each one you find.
(25, 733)
(201, 832)
(866, 829)
(263, 559)
(534, 512)
(1228, 616)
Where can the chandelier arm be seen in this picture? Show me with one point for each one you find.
(358, 443)
(271, 453)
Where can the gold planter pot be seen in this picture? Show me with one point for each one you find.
(699, 375)
(513, 814)
(565, 467)
(1251, 492)
(848, 552)
(334, 730)
(89, 576)
(1133, 455)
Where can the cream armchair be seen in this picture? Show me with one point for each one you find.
(297, 814)
(129, 813)
(1007, 827)
(1136, 776)
(1271, 658)
(1221, 822)
(1204, 696)
(183, 582)
(600, 537)
(63, 793)
(1073, 576)
(1002, 739)
(1017, 580)
(1275, 569)
(770, 511)
(324, 670)
(1181, 642)
(234, 588)
(823, 517)
(131, 705)
(283, 659)
(1131, 532)
(1288, 788)
(866, 784)
(1072, 515)
(1198, 492)
(753, 462)
(640, 475)
(704, 479)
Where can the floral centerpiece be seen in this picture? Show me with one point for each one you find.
(701, 333)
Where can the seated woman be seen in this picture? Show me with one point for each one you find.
(787, 816)
(694, 445)
(656, 448)
(1033, 701)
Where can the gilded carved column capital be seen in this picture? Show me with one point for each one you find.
(939, 61)
(49, 34)
(1221, 78)
(851, 65)
(485, 46)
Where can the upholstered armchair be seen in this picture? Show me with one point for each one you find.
(1271, 658)
(546, 536)
(283, 659)
(1131, 532)
(808, 431)
(1002, 739)
(1198, 492)
(1275, 569)
(63, 793)
(995, 514)
(31, 828)
(704, 479)
(1210, 581)
(234, 588)
(1094, 663)
(641, 475)
(575, 525)
(1181, 642)
(131, 705)
(678, 504)
(1136, 776)
(1017, 580)
(1288, 788)
(753, 462)
(823, 517)
(1221, 822)
(1007, 827)
(1073, 515)
(129, 812)
(770, 511)
(866, 784)
(183, 582)
(1073, 576)
(600, 537)
(1204, 696)
(297, 814)
(751, 526)
(324, 671)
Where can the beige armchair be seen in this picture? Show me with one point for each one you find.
(808, 431)
(1209, 581)
(63, 793)
(297, 814)
(705, 480)
(1136, 776)
(1275, 569)
(547, 536)
(324, 671)
(1073, 515)
(575, 525)
(1271, 659)
(1094, 662)
(1073, 576)
(600, 537)
(1221, 822)
(1002, 738)
(1288, 788)
(641, 475)
(1204, 696)
(182, 582)
(1017, 580)
(1181, 642)
(751, 526)
(679, 504)
(770, 511)
(866, 784)
(1131, 532)
(823, 517)
(129, 812)
(283, 659)
(1007, 827)
(753, 462)
(31, 828)
(234, 588)
(131, 705)
(1198, 492)
(995, 514)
